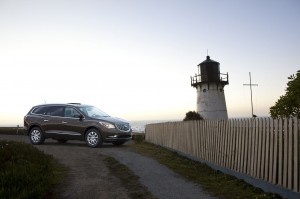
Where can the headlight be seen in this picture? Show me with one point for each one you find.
(107, 125)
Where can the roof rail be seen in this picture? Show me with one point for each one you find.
(75, 103)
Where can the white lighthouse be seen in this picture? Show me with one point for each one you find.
(210, 84)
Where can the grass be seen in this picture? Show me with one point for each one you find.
(12, 130)
(212, 181)
(128, 179)
(26, 172)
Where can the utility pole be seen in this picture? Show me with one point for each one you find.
(251, 93)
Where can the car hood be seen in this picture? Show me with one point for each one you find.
(111, 119)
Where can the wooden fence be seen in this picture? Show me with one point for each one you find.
(263, 148)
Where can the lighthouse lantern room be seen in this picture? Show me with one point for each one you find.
(210, 84)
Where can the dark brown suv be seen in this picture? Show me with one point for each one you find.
(75, 121)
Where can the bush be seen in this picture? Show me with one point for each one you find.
(138, 138)
(192, 115)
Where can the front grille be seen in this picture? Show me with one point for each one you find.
(123, 127)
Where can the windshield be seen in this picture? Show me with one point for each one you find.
(93, 112)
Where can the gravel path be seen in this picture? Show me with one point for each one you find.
(89, 178)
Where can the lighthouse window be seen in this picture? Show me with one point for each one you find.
(204, 90)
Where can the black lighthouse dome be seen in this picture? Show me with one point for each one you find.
(210, 70)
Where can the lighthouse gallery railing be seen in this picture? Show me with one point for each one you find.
(198, 78)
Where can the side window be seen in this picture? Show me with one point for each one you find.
(71, 112)
(55, 111)
(41, 110)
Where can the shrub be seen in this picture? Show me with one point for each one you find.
(192, 115)
(138, 138)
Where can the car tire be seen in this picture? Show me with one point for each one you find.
(93, 138)
(36, 136)
(118, 143)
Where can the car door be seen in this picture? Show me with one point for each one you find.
(52, 120)
(72, 126)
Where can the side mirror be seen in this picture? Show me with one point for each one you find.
(79, 116)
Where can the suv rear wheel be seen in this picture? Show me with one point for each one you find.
(93, 138)
(36, 136)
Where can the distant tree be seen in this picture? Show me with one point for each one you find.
(192, 115)
(288, 105)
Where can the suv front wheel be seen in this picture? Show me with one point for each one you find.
(36, 136)
(93, 138)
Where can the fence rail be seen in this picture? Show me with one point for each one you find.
(264, 148)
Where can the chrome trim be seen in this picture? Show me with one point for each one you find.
(62, 132)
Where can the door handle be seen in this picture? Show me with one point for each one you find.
(64, 122)
(46, 120)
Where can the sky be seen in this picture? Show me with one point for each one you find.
(133, 58)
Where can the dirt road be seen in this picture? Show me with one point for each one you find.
(89, 177)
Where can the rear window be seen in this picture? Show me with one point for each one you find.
(49, 110)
